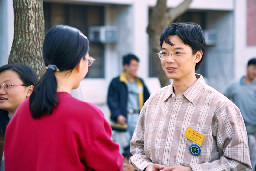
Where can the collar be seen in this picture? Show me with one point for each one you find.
(190, 93)
(123, 78)
(242, 81)
(169, 93)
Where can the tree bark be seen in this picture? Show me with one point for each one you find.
(160, 18)
(178, 11)
(28, 34)
(155, 27)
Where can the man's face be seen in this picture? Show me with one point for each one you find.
(180, 63)
(251, 72)
(132, 68)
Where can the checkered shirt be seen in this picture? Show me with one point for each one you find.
(159, 135)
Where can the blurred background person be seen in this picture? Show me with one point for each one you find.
(16, 84)
(126, 96)
(243, 93)
(55, 130)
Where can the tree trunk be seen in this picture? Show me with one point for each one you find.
(28, 34)
(178, 11)
(160, 18)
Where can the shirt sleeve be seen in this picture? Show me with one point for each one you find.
(139, 159)
(102, 153)
(231, 138)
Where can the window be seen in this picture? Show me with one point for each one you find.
(81, 17)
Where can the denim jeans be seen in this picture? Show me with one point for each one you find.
(124, 138)
(132, 123)
(121, 138)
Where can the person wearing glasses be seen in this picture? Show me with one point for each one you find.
(188, 125)
(243, 93)
(16, 84)
(52, 130)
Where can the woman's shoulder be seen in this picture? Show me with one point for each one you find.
(76, 107)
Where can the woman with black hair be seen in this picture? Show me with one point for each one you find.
(16, 84)
(54, 131)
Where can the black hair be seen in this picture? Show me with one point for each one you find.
(64, 46)
(25, 73)
(127, 59)
(4, 119)
(252, 61)
(27, 76)
(190, 33)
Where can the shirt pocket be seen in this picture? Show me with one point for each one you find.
(206, 149)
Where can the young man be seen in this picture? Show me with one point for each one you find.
(188, 125)
(126, 96)
(243, 94)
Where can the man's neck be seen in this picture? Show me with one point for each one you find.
(130, 78)
(180, 86)
(248, 80)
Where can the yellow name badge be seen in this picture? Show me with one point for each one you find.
(194, 136)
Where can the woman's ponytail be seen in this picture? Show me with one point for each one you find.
(63, 48)
(44, 97)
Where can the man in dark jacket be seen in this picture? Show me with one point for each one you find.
(126, 96)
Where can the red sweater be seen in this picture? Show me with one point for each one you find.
(74, 137)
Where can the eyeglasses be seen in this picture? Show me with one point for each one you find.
(90, 60)
(7, 86)
(165, 55)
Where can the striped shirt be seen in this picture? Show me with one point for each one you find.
(159, 135)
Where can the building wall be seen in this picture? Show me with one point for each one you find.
(243, 52)
(95, 90)
(220, 57)
(251, 24)
(6, 30)
(201, 4)
(131, 22)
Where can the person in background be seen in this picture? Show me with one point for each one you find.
(188, 125)
(243, 93)
(54, 131)
(126, 96)
(16, 84)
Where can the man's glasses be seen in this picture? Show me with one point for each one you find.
(90, 60)
(7, 86)
(165, 55)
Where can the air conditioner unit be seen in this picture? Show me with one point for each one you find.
(210, 37)
(103, 34)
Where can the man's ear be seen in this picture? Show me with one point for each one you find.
(199, 55)
(29, 90)
(125, 66)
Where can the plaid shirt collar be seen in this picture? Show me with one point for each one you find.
(190, 93)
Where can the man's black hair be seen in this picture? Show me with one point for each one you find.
(127, 59)
(252, 61)
(190, 33)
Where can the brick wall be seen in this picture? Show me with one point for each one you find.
(251, 22)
